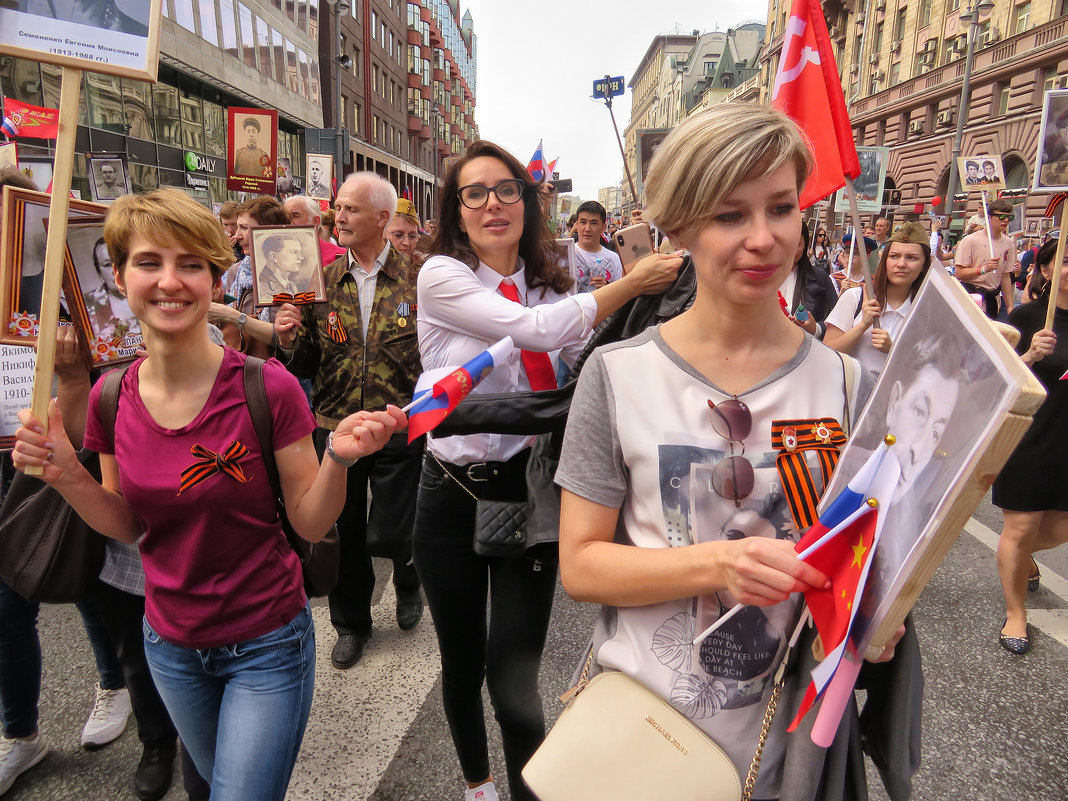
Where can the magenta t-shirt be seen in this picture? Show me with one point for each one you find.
(218, 569)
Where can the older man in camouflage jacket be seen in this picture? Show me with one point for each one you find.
(361, 351)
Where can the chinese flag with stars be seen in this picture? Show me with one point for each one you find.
(808, 89)
(842, 560)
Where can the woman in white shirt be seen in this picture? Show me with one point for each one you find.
(904, 263)
(496, 276)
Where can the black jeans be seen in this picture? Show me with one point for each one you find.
(506, 652)
(990, 298)
(393, 475)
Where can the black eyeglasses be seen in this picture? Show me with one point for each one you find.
(475, 196)
(732, 477)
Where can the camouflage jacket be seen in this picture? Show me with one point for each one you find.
(356, 374)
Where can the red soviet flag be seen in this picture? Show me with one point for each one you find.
(32, 121)
(807, 88)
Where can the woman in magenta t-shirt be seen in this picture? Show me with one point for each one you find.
(228, 630)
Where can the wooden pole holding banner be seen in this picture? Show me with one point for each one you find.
(854, 212)
(1055, 277)
(986, 219)
(55, 246)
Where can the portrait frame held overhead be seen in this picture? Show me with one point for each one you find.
(9, 154)
(1051, 160)
(252, 150)
(976, 397)
(869, 185)
(1032, 227)
(109, 330)
(649, 140)
(286, 266)
(109, 176)
(23, 235)
(980, 173)
(122, 40)
(317, 181)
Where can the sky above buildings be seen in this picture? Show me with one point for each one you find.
(535, 73)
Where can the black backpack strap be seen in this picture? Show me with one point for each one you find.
(109, 400)
(262, 421)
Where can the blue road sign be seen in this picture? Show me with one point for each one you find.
(609, 87)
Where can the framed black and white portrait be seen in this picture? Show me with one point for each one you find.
(1051, 162)
(320, 169)
(108, 176)
(287, 266)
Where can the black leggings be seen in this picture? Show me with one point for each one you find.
(506, 652)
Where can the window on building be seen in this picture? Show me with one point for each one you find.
(248, 42)
(877, 40)
(1052, 79)
(302, 14)
(105, 102)
(263, 45)
(313, 18)
(374, 78)
(954, 5)
(375, 125)
(168, 119)
(1000, 104)
(228, 27)
(292, 81)
(357, 62)
(137, 108)
(192, 122)
(209, 31)
(894, 73)
(305, 74)
(183, 14)
(278, 56)
(214, 129)
(899, 24)
(1021, 16)
(925, 13)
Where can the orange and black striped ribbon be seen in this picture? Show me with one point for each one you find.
(334, 328)
(300, 299)
(209, 463)
(792, 438)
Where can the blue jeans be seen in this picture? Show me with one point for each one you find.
(240, 709)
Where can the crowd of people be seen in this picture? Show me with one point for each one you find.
(632, 377)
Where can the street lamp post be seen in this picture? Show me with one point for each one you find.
(436, 116)
(342, 60)
(970, 16)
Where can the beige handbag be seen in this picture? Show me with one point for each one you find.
(617, 741)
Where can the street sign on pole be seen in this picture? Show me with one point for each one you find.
(609, 87)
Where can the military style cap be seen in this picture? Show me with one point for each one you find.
(407, 208)
(913, 233)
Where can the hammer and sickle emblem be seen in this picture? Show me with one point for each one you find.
(793, 51)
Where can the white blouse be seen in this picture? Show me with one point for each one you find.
(461, 313)
(844, 316)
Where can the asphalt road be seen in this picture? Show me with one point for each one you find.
(995, 725)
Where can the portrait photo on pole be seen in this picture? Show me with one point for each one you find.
(945, 396)
(115, 37)
(9, 155)
(1031, 227)
(319, 172)
(22, 251)
(649, 141)
(1045, 225)
(284, 183)
(252, 155)
(1051, 162)
(287, 266)
(109, 176)
(981, 173)
(870, 183)
(97, 308)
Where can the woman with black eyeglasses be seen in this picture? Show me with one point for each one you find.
(821, 251)
(496, 274)
(687, 448)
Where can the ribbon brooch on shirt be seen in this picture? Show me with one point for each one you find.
(798, 441)
(334, 329)
(209, 463)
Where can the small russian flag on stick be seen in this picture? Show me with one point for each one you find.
(433, 405)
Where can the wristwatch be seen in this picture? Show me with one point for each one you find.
(346, 463)
(241, 320)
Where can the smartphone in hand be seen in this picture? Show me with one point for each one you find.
(633, 243)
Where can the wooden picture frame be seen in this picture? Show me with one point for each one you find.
(977, 398)
(9, 155)
(22, 251)
(286, 260)
(109, 330)
(981, 173)
(123, 40)
(1051, 160)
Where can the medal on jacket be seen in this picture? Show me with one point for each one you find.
(823, 437)
(334, 329)
(403, 311)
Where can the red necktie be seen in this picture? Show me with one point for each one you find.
(539, 366)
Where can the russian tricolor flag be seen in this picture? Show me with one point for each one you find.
(11, 128)
(536, 167)
(433, 405)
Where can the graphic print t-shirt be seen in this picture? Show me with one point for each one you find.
(640, 439)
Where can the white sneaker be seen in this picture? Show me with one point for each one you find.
(108, 718)
(17, 757)
(484, 792)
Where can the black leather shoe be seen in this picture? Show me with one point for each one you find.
(154, 772)
(348, 650)
(409, 610)
(1014, 645)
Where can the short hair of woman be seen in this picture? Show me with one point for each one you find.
(172, 218)
(537, 247)
(266, 211)
(710, 153)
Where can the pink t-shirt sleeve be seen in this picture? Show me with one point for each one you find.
(290, 412)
